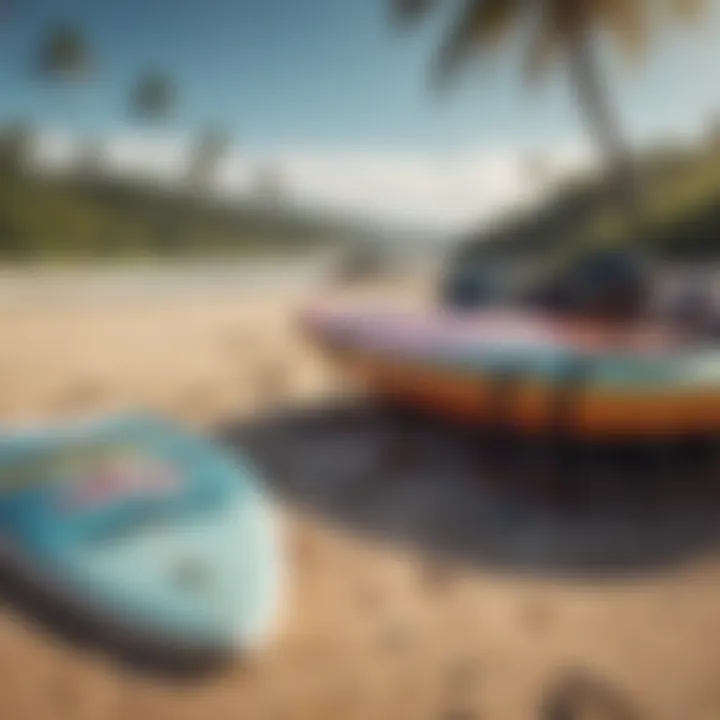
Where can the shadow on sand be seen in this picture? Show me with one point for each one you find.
(504, 503)
(454, 496)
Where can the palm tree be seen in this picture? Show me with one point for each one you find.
(64, 56)
(269, 185)
(558, 28)
(66, 60)
(16, 143)
(208, 150)
(154, 97)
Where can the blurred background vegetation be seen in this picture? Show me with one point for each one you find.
(681, 213)
(83, 212)
(665, 200)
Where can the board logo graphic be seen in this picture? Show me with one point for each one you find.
(99, 479)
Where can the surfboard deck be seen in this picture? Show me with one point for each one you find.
(139, 526)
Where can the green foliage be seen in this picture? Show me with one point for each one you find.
(206, 154)
(477, 27)
(64, 55)
(681, 201)
(154, 97)
(49, 219)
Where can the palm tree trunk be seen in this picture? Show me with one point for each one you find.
(593, 99)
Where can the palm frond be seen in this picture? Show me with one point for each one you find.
(628, 23)
(689, 9)
(480, 26)
(153, 97)
(64, 54)
(569, 16)
(408, 11)
(543, 48)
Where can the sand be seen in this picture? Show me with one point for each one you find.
(369, 628)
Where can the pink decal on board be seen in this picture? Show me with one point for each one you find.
(120, 478)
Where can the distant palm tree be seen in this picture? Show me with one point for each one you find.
(65, 55)
(17, 139)
(269, 185)
(65, 58)
(154, 97)
(557, 28)
(206, 154)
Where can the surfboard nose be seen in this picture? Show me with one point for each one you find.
(207, 582)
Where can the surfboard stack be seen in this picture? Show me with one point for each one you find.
(530, 371)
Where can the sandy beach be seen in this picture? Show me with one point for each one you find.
(371, 628)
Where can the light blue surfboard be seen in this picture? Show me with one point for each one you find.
(152, 528)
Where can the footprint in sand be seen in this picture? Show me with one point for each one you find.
(579, 696)
(237, 341)
(196, 399)
(437, 575)
(459, 715)
(369, 599)
(272, 383)
(80, 395)
(536, 617)
(462, 676)
(397, 638)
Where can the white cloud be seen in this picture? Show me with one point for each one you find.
(439, 192)
(161, 157)
(442, 192)
(53, 151)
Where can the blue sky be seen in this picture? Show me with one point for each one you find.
(332, 76)
(326, 72)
